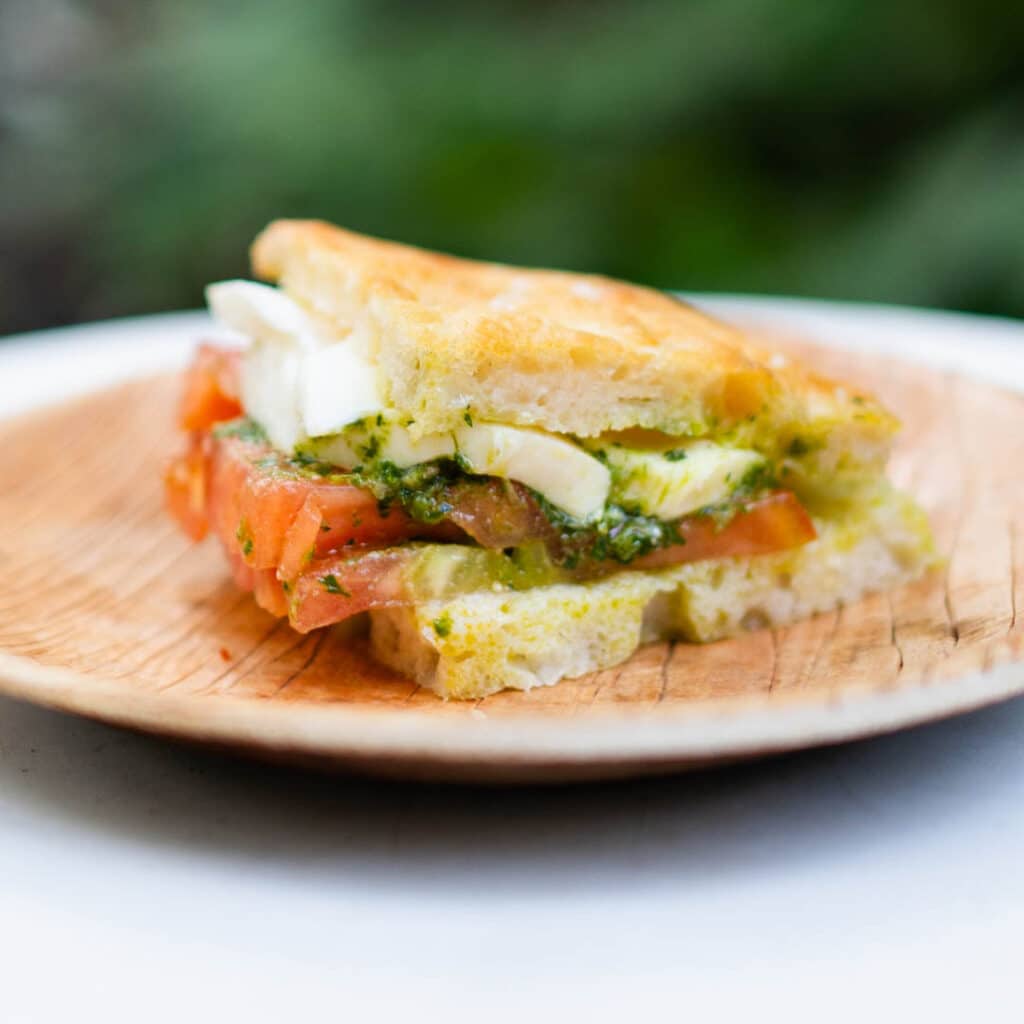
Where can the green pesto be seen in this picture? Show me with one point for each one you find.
(618, 534)
(799, 446)
(243, 428)
(423, 492)
(418, 490)
(371, 449)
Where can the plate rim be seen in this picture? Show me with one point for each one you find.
(711, 729)
(727, 726)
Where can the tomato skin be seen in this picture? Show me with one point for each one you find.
(772, 523)
(211, 394)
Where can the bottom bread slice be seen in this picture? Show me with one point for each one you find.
(482, 642)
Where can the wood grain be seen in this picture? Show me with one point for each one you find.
(109, 611)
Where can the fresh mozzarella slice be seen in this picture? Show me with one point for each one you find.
(338, 386)
(336, 382)
(687, 478)
(565, 474)
(261, 313)
(270, 392)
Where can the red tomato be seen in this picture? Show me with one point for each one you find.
(268, 518)
(269, 593)
(185, 486)
(773, 523)
(273, 535)
(211, 392)
(336, 588)
(300, 541)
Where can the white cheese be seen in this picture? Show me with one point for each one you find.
(565, 474)
(270, 392)
(338, 386)
(261, 313)
(668, 486)
(365, 442)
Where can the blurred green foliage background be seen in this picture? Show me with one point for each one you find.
(832, 148)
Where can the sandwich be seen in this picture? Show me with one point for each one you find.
(514, 476)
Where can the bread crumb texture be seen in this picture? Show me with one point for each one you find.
(570, 353)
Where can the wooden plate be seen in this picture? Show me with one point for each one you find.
(108, 612)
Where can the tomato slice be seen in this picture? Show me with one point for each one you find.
(336, 588)
(269, 592)
(212, 393)
(185, 487)
(772, 523)
(268, 519)
(283, 521)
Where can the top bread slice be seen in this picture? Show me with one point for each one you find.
(571, 353)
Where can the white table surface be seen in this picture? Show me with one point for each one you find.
(142, 881)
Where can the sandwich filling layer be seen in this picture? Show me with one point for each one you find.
(332, 526)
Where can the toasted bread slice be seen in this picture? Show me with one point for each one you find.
(494, 641)
(571, 353)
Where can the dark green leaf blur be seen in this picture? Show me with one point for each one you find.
(834, 148)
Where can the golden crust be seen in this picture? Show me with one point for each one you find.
(572, 353)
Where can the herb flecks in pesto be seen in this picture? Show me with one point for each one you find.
(420, 491)
(332, 586)
(618, 534)
(244, 536)
(371, 449)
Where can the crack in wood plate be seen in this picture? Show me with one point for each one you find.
(110, 613)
